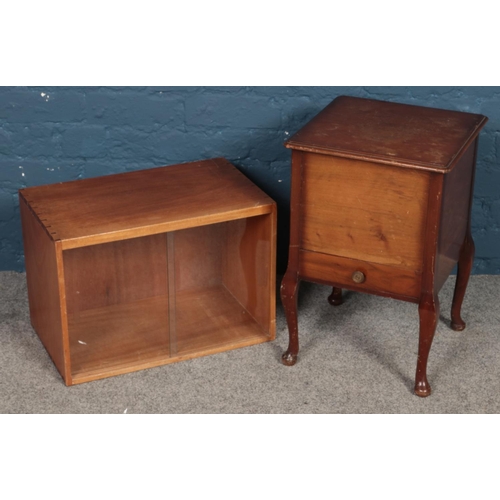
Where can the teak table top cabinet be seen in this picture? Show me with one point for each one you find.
(380, 203)
(144, 268)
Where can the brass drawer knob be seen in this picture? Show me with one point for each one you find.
(358, 277)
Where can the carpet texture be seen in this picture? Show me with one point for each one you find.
(359, 357)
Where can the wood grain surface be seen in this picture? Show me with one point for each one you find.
(136, 270)
(380, 203)
(397, 282)
(363, 211)
(145, 202)
(124, 338)
(405, 135)
(115, 273)
(43, 259)
(455, 214)
(249, 267)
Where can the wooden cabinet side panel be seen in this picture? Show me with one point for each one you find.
(43, 288)
(431, 235)
(455, 214)
(249, 270)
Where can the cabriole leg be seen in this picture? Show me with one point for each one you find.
(463, 273)
(428, 310)
(289, 291)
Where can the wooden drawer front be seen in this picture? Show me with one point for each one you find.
(362, 210)
(381, 279)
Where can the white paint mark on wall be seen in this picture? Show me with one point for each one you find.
(50, 169)
(82, 342)
(47, 96)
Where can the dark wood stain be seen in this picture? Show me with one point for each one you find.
(391, 133)
(380, 203)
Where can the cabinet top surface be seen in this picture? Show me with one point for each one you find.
(390, 133)
(143, 202)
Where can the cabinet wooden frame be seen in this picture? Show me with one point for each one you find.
(190, 272)
(391, 222)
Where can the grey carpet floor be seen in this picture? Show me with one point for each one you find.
(356, 358)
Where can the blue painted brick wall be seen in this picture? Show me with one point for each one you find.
(54, 134)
